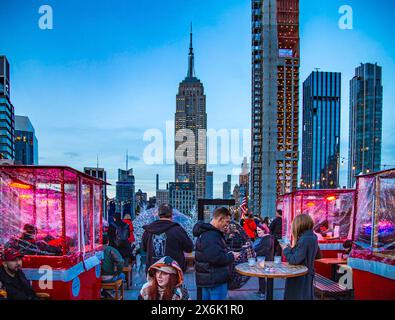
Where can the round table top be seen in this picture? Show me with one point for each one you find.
(272, 270)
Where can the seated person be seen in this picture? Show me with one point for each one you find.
(322, 228)
(347, 245)
(12, 278)
(119, 234)
(165, 282)
(112, 264)
(27, 244)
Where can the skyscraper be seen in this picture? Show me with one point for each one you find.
(275, 102)
(26, 143)
(182, 196)
(191, 122)
(321, 130)
(100, 173)
(244, 179)
(366, 115)
(7, 113)
(125, 187)
(226, 187)
(162, 197)
(210, 185)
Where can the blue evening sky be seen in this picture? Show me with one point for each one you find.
(109, 70)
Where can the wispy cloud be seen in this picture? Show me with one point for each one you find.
(71, 154)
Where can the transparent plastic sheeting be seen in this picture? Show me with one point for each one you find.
(375, 218)
(331, 211)
(40, 218)
(148, 216)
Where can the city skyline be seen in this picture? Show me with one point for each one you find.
(57, 128)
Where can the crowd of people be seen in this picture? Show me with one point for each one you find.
(163, 246)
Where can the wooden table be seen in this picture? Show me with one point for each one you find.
(272, 271)
(333, 262)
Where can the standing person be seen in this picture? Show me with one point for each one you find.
(12, 278)
(258, 220)
(165, 238)
(128, 220)
(250, 226)
(165, 282)
(266, 221)
(303, 251)
(276, 229)
(264, 247)
(213, 260)
(119, 235)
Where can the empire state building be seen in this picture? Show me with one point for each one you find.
(190, 130)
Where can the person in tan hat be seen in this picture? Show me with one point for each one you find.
(165, 282)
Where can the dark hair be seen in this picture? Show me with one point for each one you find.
(165, 211)
(105, 238)
(118, 216)
(280, 212)
(266, 220)
(221, 212)
(347, 244)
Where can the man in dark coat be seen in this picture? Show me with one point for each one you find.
(276, 229)
(213, 261)
(165, 238)
(12, 278)
(304, 253)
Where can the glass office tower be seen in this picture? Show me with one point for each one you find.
(366, 116)
(321, 131)
(210, 185)
(26, 143)
(7, 113)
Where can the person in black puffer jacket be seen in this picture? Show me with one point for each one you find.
(213, 261)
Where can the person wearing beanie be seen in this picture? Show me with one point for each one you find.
(164, 282)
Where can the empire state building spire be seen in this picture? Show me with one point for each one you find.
(191, 59)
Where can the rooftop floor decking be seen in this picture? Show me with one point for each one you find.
(247, 292)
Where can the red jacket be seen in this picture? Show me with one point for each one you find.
(131, 229)
(249, 227)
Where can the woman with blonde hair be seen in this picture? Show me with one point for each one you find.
(303, 251)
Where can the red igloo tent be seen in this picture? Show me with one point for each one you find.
(53, 214)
